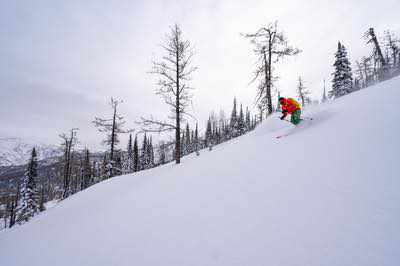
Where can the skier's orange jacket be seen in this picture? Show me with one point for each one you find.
(290, 106)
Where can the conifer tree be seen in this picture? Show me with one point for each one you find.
(196, 140)
(143, 157)
(188, 140)
(87, 171)
(248, 120)
(150, 153)
(29, 204)
(342, 81)
(192, 149)
(136, 163)
(129, 161)
(234, 118)
(241, 122)
(208, 132)
(183, 147)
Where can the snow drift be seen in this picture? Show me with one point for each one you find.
(327, 194)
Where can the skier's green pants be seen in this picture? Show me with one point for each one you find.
(295, 117)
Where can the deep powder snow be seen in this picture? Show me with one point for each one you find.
(327, 194)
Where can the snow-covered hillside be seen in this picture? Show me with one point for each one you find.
(15, 151)
(326, 194)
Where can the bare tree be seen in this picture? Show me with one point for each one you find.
(367, 69)
(270, 45)
(303, 92)
(377, 52)
(174, 71)
(365, 72)
(261, 109)
(12, 206)
(393, 44)
(111, 127)
(162, 157)
(324, 98)
(360, 77)
(69, 142)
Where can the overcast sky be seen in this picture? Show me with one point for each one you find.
(61, 61)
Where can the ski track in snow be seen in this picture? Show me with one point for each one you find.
(328, 194)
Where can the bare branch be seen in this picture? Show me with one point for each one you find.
(270, 46)
(153, 125)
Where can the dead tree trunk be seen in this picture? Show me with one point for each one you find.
(174, 72)
(112, 144)
(69, 142)
(270, 46)
(177, 111)
(112, 127)
(269, 83)
(382, 72)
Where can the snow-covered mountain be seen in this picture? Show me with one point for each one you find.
(15, 151)
(327, 193)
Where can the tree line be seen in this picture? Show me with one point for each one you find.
(382, 64)
(78, 170)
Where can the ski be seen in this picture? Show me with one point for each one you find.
(302, 119)
(281, 136)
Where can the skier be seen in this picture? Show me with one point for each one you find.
(292, 107)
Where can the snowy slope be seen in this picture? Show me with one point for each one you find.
(15, 151)
(328, 194)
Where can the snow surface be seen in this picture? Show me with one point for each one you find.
(327, 194)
